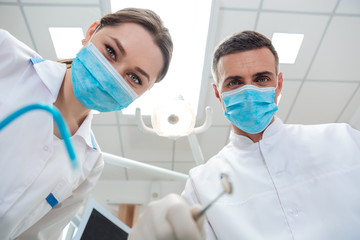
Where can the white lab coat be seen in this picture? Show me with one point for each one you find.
(34, 164)
(299, 182)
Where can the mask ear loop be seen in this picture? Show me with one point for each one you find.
(96, 29)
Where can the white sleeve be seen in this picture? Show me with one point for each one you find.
(189, 195)
(355, 133)
(14, 60)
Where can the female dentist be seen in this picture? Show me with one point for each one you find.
(124, 54)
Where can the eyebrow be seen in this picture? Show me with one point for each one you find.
(119, 45)
(262, 74)
(258, 74)
(143, 73)
(123, 52)
(237, 77)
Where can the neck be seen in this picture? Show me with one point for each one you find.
(254, 137)
(71, 109)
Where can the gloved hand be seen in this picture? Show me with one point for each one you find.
(168, 218)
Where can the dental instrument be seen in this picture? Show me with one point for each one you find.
(227, 188)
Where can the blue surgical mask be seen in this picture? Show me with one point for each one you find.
(96, 84)
(250, 108)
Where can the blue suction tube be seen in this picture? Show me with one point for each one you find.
(63, 129)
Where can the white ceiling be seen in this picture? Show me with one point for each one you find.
(322, 86)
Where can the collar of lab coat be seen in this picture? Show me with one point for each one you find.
(52, 75)
(85, 132)
(271, 131)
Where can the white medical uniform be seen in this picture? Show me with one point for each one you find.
(298, 182)
(39, 194)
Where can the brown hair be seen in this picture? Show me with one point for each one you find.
(241, 42)
(148, 20)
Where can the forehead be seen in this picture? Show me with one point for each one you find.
(246, 63)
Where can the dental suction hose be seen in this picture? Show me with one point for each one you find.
(63, 129)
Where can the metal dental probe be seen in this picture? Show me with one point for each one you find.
(227, 188)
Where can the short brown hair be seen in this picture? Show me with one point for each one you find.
(241, 42)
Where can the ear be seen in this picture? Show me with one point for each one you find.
(90, 32)
(279, 87)
(217, 94)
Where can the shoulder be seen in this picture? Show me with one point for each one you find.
(338, 131)
(15, 57)
(7, 38)
(213, 167)
(213, 162)
(4, 35)
(7, 41)
(336, 134)
(203, 182)
(328, 128)
(12, 46)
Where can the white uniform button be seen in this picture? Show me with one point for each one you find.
(294, 212)
(45, 148)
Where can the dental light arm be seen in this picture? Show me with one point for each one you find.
(63, 129)
(171, 120)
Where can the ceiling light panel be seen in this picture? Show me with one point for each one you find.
(66, 40)
(287, 46)
(189, 35)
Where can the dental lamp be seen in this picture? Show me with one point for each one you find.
(176, 119)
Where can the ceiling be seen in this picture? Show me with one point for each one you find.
(323, 86)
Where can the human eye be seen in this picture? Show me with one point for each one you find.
(263, 79)
(134, 78)
(111, 52)
(233, 83)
